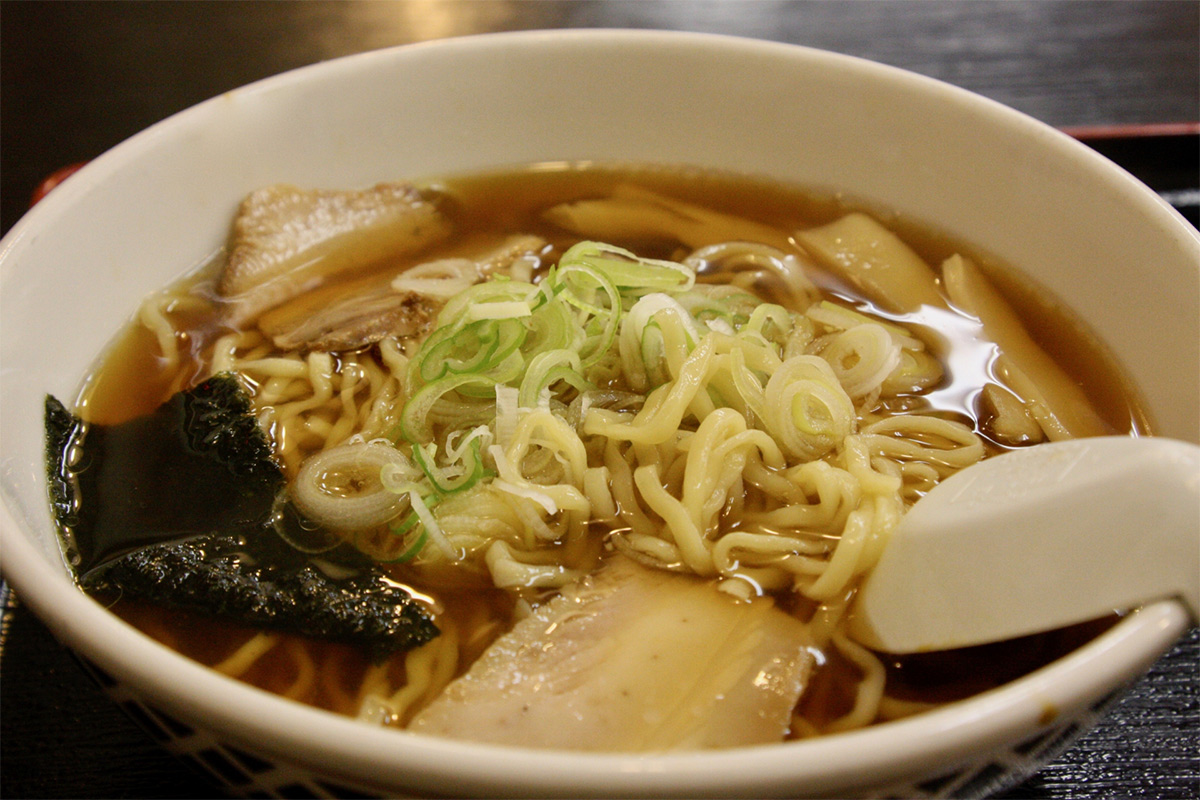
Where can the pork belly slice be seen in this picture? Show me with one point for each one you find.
(355, 313)
(348, 316)
(287, 240)
(632, 660)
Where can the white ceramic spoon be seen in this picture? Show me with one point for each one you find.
(1038, 539)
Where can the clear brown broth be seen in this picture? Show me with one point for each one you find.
(130, 381)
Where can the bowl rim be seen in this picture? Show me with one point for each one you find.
(264, 722)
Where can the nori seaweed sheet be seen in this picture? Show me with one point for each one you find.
(175, 507)
(221, 575)
(62, 430)
(197, 464)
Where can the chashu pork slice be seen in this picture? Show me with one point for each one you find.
(351, 314)
(632, 660)
(287, 240)
(348, 316)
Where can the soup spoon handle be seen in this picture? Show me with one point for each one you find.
(1038, 539)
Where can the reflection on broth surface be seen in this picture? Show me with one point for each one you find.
(564, 413)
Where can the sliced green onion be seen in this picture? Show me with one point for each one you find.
(432, 528)
(704, 308)
(508, 309)
(360, 463)
(416, 547)
(414, 419)
(507, 371)
(410, 523)
(549, 368)
(404, 556)
(443, 482)
(495, 290)
(475, 347)
(600, 328)
(643, 343)
(776, 316)
(628, 270)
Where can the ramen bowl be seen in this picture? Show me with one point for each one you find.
(74, 269)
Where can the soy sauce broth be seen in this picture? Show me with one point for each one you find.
(131, 380)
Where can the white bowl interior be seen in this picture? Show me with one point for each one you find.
(73, 270)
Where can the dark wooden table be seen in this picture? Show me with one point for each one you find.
(79, 77)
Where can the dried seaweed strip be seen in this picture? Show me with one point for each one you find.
(198, 464)
(220, 575)
(175, 507)
(63, 430)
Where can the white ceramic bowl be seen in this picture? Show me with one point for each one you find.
(75, 267)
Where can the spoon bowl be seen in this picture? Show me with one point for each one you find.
(1038, 539)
